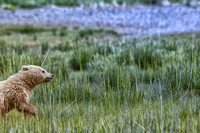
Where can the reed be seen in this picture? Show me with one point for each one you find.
(111, 91)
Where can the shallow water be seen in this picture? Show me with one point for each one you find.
(127, 20)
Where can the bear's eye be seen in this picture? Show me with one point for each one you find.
(43, 71)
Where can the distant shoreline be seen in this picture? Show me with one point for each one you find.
(138, 20)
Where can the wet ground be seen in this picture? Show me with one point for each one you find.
(136, 20)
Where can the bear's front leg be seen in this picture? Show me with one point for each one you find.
(27, 114)
(28, 109)
(3, 112)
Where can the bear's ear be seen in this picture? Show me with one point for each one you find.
(25, 68)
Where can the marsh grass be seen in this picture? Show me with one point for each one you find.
(148, 58)
(63, 31)
(80, 59)
(126, 58)
(13, 4)
(92, 32)
(63, 46)
(100, 93)
(22, 29)
(44, 47)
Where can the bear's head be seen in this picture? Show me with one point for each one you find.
(35, 74)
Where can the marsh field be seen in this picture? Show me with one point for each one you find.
(104, 83)
(12, 4)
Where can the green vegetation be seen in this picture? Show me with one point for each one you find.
(24, 30)
(93, 32)
(80, 59)
(105, 85)
(13, 4)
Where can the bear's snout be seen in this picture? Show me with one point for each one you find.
(49, 77)
(52, 75)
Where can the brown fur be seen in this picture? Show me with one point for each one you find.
(15, 92)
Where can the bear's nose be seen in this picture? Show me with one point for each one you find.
(52, 75)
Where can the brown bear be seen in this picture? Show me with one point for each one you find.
(15, 92)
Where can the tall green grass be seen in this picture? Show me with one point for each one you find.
(13, 4)
(140, 85)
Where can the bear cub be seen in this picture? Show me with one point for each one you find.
(15, 92)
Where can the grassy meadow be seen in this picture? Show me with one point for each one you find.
(104, 83)
(12, 4)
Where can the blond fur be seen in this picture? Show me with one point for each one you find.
(15, 92)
